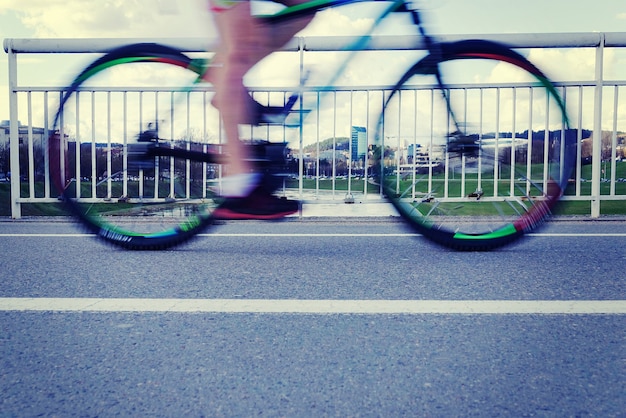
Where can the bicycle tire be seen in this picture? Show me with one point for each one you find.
(127, 218)
(513, 193)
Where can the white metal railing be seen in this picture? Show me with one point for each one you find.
(598, 104)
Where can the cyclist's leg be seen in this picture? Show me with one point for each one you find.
(227, 79)
(244, 42)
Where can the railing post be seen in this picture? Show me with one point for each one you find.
(301, 47)
(596, 159)
(14, 137)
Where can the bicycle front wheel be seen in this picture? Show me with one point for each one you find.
(474, 163)
(108, 156)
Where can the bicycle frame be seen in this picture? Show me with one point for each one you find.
(395, 6)
(318, 5)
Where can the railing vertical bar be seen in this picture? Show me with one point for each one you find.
(125, 144)
(109, 151)
(367, 145)
(62, 144)
(205, 141)
(414, 156)
(529, 149)
(446, 173)
(431, 141)
(399, 130)
(140, 174)
(94, 174)
(350, 145)
(188, 140)
(463, 159)
(16, 210)
(317, 142)
(596, 158)
(562, 172)
(157, 160)
(579, 137)
(334, 143)
(300, 159)
(221, 139)
(614, 142)
(78, 146)
(513, 143)
(301, 48)
(46, 138)
(381, 145)
(546, 145)
(496, 151)
(479, 185)
(172, 192)
(284, 140)
(31, 152)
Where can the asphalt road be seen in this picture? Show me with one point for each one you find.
(68, 361)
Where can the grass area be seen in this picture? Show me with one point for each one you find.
(28, 209)
(607, 207)
(341, 184)
(357, 186)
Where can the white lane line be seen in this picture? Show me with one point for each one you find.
(404, 234)
(21, 235)
(310, 235)
(324, 306)
(563, 234)
(247, 234)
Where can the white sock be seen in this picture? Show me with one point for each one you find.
(240, 185)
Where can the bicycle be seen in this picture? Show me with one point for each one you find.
(506, 186)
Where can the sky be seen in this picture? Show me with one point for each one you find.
(151, 19)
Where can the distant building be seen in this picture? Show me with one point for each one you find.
(23, 134)
(359, 142)
(413, 150)
(5, 132)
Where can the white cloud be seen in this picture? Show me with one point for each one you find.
(333, 21)
(111, 18)
(566, 64)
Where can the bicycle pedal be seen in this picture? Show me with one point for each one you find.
(476, 194)
(293, 121)
(139, 157)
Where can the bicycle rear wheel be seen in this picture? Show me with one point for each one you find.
(125, 185)
(475, 164)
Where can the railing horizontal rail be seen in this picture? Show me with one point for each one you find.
(342, 88)
(324, 43)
